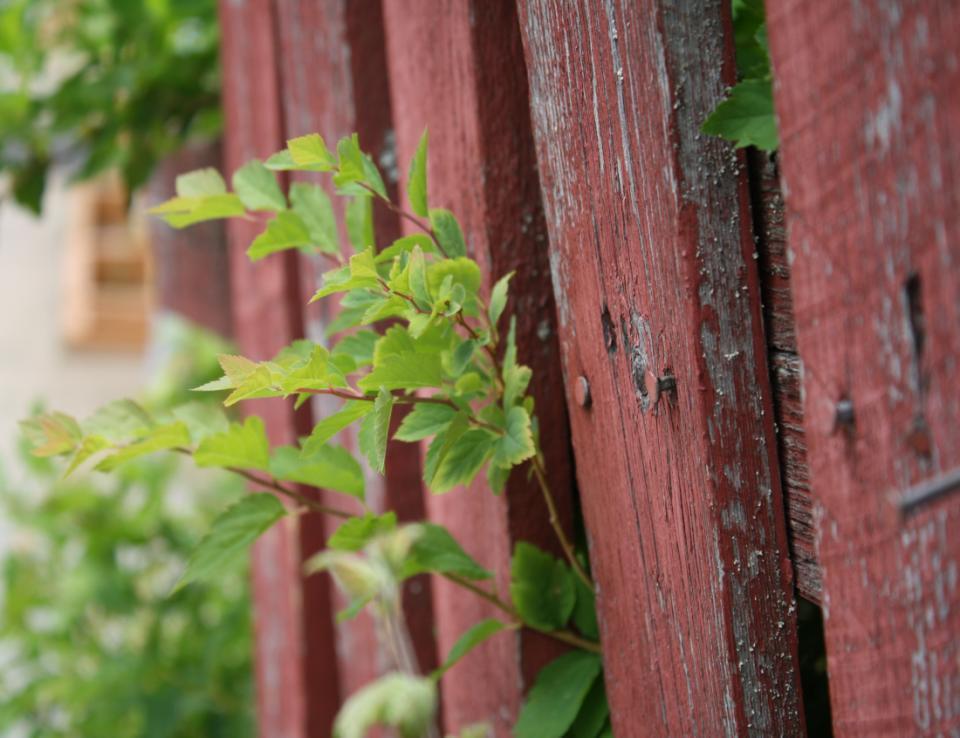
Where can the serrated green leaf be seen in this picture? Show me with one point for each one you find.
(375, 431)
(159, 438)
(447, 277)
(447, 230)
(257, 187)
(181, 212)
(746, 116)
(327, 428)
(404, 246)
(498, 299)
(497, 478)
(386, 307)
(557, 695)
(281, 162)
(358, 346)
(285, 231)
(463, 460)
(311, 151)
(516, 379)
(435, 550)
(418, 278)
(417, 180)
(314, 208)
(243, 446)
(441, 444)
(231, 535)
(405, 703)
(461, 356)
(358, 218)
(472, 638)
(516, 444)
(585, 610)
(405, 371)
(120, 421)
(357, 532)
(593, 713)
(200, 183)
(202, 419)
(541, 587)
(52, 434)
(326, 467)
(424, 420)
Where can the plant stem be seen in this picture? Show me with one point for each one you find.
(541, 476)
(564, 636)
(406, 216)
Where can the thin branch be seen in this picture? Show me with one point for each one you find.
(541, 476)
(564, 636)
(410, 217)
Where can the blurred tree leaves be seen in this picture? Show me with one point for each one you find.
(98, 84)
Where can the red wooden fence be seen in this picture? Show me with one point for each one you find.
(565, 135)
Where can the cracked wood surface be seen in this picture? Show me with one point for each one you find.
(651, 256)
(870, 162)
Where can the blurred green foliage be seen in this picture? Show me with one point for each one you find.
(102, 84)
(92, 642)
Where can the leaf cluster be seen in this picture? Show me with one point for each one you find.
(413, 327)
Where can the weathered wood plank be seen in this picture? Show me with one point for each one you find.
(294, 629)
(870, 161)
(652, 263)
(334, 82)
(457, 67)
(785, 370)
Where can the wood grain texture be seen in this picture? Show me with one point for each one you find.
(293, 621)
(785, 370)
(651, 256)
(871, 165)
(334, 82)
(457, 67)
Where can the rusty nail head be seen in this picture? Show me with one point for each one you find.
(658, 386)
(581, 391)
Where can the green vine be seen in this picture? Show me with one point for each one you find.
(412, 329)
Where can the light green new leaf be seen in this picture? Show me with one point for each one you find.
(424, 420)
(375, 431)
(435, 550)
(90, 446)
(405, 703)
(516, 379)
(557, 695)
(441, 444)
(311, 151)
(418, 278)
(257, 187)
(498, 298)
(243, 446)
(405, 371)
(406, 245)
(202, 419)
(467, 642)
(200, 183)
(541, 587)
(120, 421)
(357, 532)
(463, 460)
(448, 232)
(417, 181)
(230, 536)
(461, 271)
(327, 428)
(746, 116)
(326, 467)
(285, 231)
(358, 346)
(159, 438)
(516, 444)
(181, 212)
(52, 434)
(358, 218)
(314, 208)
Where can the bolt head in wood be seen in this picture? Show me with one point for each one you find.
(658, 386)
(581, 391)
